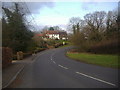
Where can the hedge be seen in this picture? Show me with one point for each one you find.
(108, 47)
(6, 56)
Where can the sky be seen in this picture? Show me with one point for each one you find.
(58, 13)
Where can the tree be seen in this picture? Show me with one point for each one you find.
(19, 35)
(95, 24)
(111, 24)
(39, 42)
(99, 18)
(5, 33)
(45, 28)
(74, 24)
(96, 29)
(51, 28)
(57, 28)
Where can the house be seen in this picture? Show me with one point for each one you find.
(53, 34)
(63, 35)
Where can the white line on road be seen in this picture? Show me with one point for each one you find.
(52, 55)
(15, 76)
(63, 67)
(54, 62)
(96, 79)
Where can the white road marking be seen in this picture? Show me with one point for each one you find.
(15, 76)
(96, 79)
(52, 55)
(79, 72)
(54, 62)
(63, 67)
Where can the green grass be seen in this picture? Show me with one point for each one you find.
(98, 59)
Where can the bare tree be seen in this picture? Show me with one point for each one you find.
(75, 24)
(95, 20)
(99, 18)
(95, 23)
(111, 24)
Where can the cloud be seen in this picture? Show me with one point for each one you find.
(35, 7)
(88, 5)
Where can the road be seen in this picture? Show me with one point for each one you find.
(52, 69)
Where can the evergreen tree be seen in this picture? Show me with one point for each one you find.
(19, 35)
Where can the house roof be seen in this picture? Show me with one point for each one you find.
(51, 32)
(61, 33)
(40, 34)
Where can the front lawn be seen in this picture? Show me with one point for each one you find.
(98, 59)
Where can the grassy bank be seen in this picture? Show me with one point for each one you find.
(98, 59)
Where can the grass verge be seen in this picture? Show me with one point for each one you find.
(97, 59)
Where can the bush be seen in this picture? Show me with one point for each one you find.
(58, 45)
(50, 42)
(6, 56)
(106, 46)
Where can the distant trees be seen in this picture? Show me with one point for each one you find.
(95, 24)
(15, 33)
(97, 27)
(111, 25)
(57, 28)
(45, 28)
(51, 28)
(74, 24)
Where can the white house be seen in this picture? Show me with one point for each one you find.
(54, 34)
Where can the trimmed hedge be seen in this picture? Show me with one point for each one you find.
(6, 56)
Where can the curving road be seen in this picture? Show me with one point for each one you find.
(52, 69)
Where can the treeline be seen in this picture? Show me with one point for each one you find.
(15, 33)
(98, 32)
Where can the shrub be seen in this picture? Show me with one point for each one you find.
(58, 44)
(106, 46)
(50, 42)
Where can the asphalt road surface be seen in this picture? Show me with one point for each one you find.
(52, 69)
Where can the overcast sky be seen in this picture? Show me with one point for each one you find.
(59, 13)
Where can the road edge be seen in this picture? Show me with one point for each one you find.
(14, 77)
